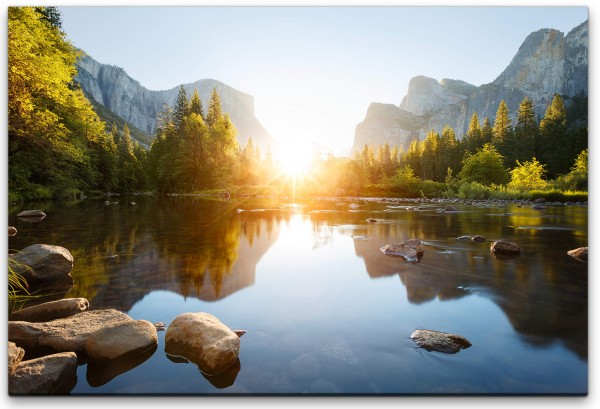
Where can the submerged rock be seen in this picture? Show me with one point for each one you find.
(450, 209)
(478, 239)
(15, 355)
(32, 213)
(42, 262)
(410, 250)
(580, 253)
(439, 341)
(505, 247)
(51, 310)
(64, 334)
(463, 238)
(51, 374)
(538, 207)
(122, 341)
(204, 340)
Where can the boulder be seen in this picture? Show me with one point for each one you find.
(439, 341)
(32, 213)
(204, 340)
(42, 262)
(410, 250)
(51, 374)
(11, 231)
(478, 239)
(51, 310)
(580, 253)
(64, 334)
(505, 247)
(15, 355)
(122, 341)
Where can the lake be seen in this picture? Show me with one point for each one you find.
(326, 312)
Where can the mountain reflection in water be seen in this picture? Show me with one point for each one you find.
(209, 251)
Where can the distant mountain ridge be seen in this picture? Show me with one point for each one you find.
(547, 63)
(111, 87)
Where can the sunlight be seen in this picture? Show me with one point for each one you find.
(295, 158)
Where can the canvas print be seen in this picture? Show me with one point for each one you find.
(297, 201)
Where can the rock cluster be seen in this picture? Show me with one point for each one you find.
(410, 250)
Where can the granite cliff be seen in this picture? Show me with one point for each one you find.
(111, 87)
(547, 63)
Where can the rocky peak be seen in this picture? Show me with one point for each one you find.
(547, 63)
(111, 87)
(538, 66)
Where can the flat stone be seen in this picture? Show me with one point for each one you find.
(15, 355)
(52, 310)
(121, 341)
(204, 340)
(505, 247)
(580, 253)
(538, 207)
(439, 341)
(42, 262)
(51, 374)
(31, 213)
(64, 334)
(410, 250)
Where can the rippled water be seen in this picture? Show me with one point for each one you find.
(325, 310)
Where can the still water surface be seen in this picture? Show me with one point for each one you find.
(325, 310)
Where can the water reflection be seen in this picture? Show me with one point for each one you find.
(207, 250)
(543, 291)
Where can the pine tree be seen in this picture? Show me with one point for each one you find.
(181, 108)
(553, 133)
(215, 112)
(486, 131)
(472, 140)
(502, 134)
(449, 151)
(430, 156)
(196, 104)
(526, 131)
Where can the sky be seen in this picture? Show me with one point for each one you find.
(313, 71)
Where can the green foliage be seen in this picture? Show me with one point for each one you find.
(553, 137)
(485, 166)
(526, 132)
(554, 195)
(57, 144)
(405, 182)
(528, 175)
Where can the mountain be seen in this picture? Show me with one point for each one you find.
(113, 89)
(547, 63)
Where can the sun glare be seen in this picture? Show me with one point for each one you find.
(295, 159)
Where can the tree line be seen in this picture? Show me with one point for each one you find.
(59, 147)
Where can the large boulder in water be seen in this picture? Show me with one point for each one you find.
(122, 341)
(439, 341)
(65, 334)
(505, 247)
(204, 340)
(31, 213)
(52, 310)
(51, 374)
(410, 250)
(40, 262)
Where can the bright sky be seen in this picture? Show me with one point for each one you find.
(312, 71)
